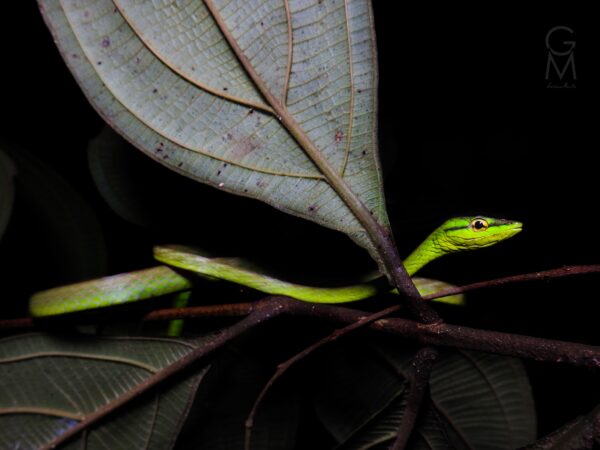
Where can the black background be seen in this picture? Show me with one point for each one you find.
(467, 126)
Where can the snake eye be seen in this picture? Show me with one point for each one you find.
(479, 225)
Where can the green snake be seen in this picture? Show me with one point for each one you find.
(455, 235)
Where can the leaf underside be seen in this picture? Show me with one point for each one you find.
(50, 383)
(476, 400)
(205, 88)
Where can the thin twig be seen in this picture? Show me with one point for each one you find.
(418, 378)
(194, 312)
(21, 323)
(543, 275)
(285, 366)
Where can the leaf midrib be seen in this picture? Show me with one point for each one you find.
(335, 180)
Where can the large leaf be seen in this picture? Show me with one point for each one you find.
(7, 189)
(50, 383)
(485, 399)
(272, 99)
(352, 387)
(477, 400)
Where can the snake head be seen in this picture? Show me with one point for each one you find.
(471, 233)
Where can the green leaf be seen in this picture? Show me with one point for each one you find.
(485, 399)
(270, 99)
(352, 387)
(49, 383)
(7, 190)
(479, 400)
(380, 429)
(429, 434)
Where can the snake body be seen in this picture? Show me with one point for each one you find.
(454, 235)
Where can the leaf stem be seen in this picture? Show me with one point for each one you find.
(418, 378)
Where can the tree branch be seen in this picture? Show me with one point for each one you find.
(418, 379)
(581, 433)
(455, 336)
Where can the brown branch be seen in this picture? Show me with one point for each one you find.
(418, 378)
(285, 366)
(194, 312)
(581, 433)
(455, 336)
(17, 324)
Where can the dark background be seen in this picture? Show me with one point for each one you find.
(467, 126)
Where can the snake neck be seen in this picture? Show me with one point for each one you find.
(429, 250)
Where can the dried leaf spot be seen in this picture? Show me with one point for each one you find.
(339, 135)
(105, 42)
(244, 147)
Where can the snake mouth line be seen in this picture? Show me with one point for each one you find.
(517, 227)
